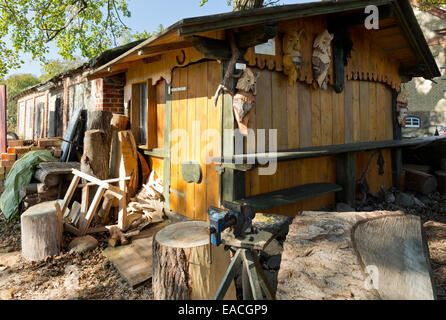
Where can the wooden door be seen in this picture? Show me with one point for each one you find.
(193, 113)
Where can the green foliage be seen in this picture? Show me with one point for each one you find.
(89, 26)
(427, 5)
(14, 85)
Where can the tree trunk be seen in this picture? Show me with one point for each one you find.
(181, 269)
(240, 5)
(41, 230)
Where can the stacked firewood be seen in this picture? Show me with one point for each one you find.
(146, 207)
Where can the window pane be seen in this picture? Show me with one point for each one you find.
(143, 113)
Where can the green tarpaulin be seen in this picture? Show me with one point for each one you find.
(21, 174)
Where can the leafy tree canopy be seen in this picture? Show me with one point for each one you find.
(90, 26)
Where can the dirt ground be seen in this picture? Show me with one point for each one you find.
(90, 276)
(86, 276)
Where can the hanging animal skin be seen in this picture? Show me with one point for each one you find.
(322, 58)
(402, 102)
(245, 99)
(292, 55)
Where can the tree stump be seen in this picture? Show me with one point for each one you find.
(96, 155)
(181, 268)
(41, 229)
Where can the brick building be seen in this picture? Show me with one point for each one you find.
(45, 109)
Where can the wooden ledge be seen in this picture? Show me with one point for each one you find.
(289, 196)
(246, 162)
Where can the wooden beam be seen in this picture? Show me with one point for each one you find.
(164, 47)
(221, 49)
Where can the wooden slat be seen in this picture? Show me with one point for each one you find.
(356, 111)
(326, 117)
(364, 110)
(213, 123)
(289, 196)
(201, 118)
(279, 109)
(338, 118)
(84, 208)
(193, 82)
(292, 116)
(70, 192)
(373, 116)
(114, 190)
(305, 116)
(348, 115)
(316, 117)
(92, 210)
(176, 143)
(263, 104)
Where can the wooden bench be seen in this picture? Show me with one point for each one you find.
(289, 196)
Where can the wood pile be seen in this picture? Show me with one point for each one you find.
(18, 148)
(50, 182)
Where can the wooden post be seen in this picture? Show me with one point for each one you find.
(397, 167)
(181, 268)
(346, 177)
(3, 126)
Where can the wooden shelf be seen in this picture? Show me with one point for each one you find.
(240, 161)
(289, 196)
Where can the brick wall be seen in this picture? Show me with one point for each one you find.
(110, 94)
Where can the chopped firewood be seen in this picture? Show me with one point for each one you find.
(116, 237)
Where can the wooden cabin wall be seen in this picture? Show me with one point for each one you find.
(291, 174)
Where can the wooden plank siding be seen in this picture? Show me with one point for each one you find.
(193, 112)
(319, 118)
(305, 117)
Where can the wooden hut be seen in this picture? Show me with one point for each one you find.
(325, 82)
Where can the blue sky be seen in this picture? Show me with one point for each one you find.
(148, 15)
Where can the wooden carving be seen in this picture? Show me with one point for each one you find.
(402, 102)
(292, 55)
(244, 100)
(322, 58)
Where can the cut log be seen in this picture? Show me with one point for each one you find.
(104, 211)
(41, 227)
(51, 180)
(128, 161)
(28, 190)
(181, 268)
(355, 256)
(421, 182)
(96, 157)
